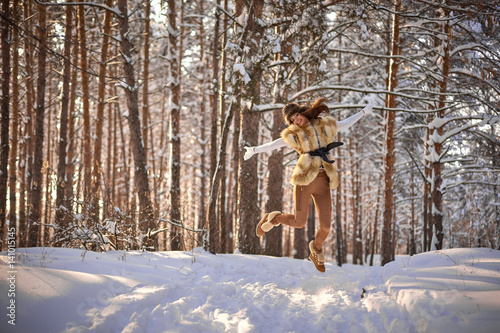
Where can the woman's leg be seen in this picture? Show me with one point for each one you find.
(301, 196)
(323, 202)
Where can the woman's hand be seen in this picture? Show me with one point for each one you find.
(250, 151)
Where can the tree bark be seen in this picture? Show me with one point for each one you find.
(356, 255)
(72, 129)
(175, 140)
(146, 217)
(212, 211)
(427, 230)
(15, 120)
(99, 123)
(202, 214)
(44, 232)
(213, 221)
(273, 240)
(437, 187)
(249, 206)
(27, 164)
(62, 181)
(375, 228)
(36, 186)
(236, 168)
(87, 136)
(338, 195)
(145, 84)
(389, 157)
(412, 248)
(5, 117)
(226, 225)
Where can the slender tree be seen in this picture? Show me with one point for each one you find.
(273, 240)
(99, 123)
(5, 114)
(146, 216)
(437, 186)
(36, 186)
(249, 212)
(72, 128)
(145, 74)
(226, 226)
(62, 180)
(27, 146)
(389, 158)
(202, 215)
(87, 135)
(13, 170)
(175, 140)
(213, 221)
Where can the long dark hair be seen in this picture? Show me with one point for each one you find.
(310, 112)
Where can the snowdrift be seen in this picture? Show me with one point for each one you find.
(68, 290)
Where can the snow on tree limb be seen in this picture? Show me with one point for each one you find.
(114, 10)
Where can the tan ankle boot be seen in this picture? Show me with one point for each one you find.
(266, 223)
(317, 257)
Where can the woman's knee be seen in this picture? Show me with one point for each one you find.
(325, 227)
(301, 219)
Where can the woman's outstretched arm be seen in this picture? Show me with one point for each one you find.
(346, 123)
(264, 148)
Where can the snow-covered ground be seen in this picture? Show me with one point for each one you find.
(70, 290)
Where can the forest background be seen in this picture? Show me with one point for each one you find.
(123, 123)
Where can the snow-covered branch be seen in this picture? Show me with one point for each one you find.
(467, 72)
(114, 10)
(442, 138)
(366, 91)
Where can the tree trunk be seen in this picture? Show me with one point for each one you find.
(412, 248)
(202, 215)
(213, 222)
(146, 217)
(175, 140)
(15, 120)
(299, 243)
(101, 104)
(356, 255)
(437, 188)
(214, 189)
(338, 195)
(236, 168)
(87, 135)
(249, 206)
(44, 233)
(359, 209)
(36, 187)
(375, 227)
(273, 240)
(249, 211)
(62, 181)
(225, 223)
(390, 158)
(27, 164)
(145, 75)
(427, 230)
(72, 130)
(496, 163)
(5, 120)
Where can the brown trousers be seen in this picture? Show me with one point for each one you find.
(319, 189)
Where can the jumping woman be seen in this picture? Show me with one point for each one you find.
(315, 173)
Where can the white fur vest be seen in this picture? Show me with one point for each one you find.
(318, 133)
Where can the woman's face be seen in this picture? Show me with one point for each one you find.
(299, 119)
